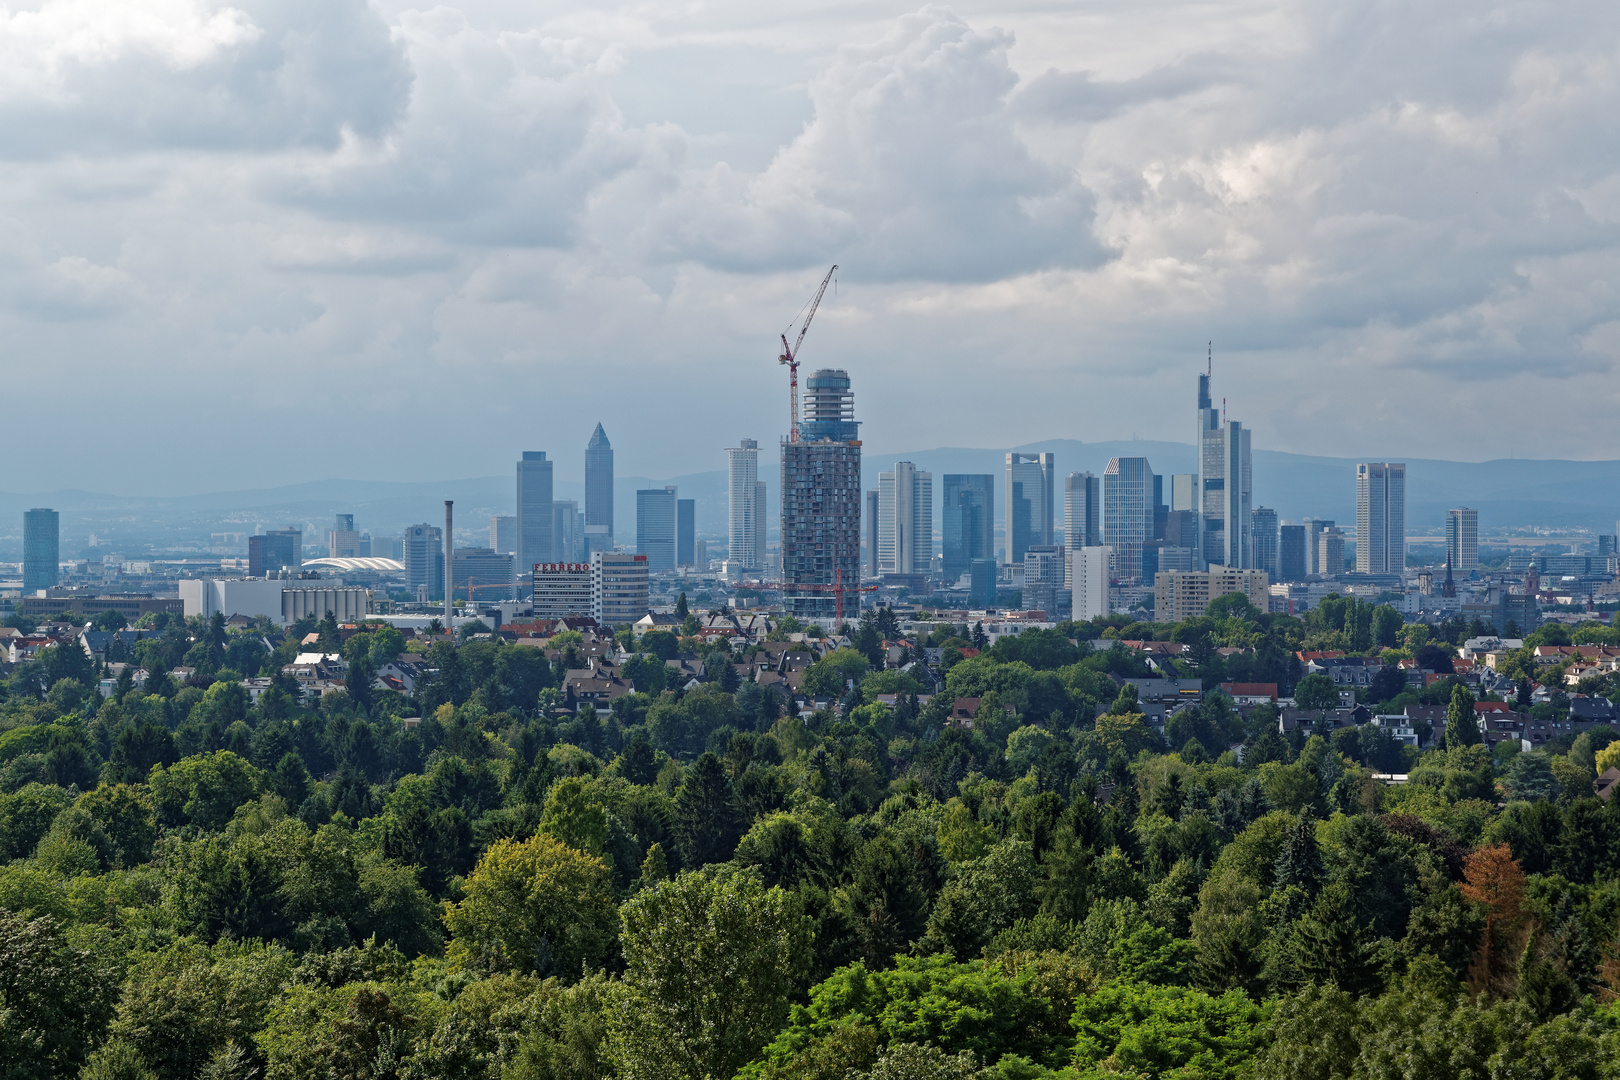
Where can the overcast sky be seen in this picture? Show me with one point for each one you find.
(262, 242)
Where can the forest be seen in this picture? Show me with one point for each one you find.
(700, 884)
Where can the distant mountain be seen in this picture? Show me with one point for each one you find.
(1507, 493)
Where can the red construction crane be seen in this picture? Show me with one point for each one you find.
(790, 355)
(837, 588)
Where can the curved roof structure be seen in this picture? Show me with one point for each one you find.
(381, 566)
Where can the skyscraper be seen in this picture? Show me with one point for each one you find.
(1381, 517)
(1082, 514)
(762, 506)
(745, 525)
(424, 559)
(533, 511)
(503, 534)
(1127, 495)
(42, 549)
(1330, 551)
(1264, 540)
(343, 542)
(279, 549)
(821, 499)
(685, 532)
(969, 520)
(870, 544)
(1314, 527)
(1090, 574)
(567, 532)
(1031, 487)
(599, 492)
(905, 520)
(1045, 566)
(655, 527)
(1224, 484)
(1291, 561)
(1462, 539)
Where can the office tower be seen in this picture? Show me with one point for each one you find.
(1030, 510)
(762, 501)
(42, 549)
(482, 574)
(1330, 551)
(1314, 527)
(1462, 539)
(1044, 569)
(821, 500)
(745, 513)
(1225, 477)
(278, 549)
(599, 492)
(562, 589)
(655, 527)
(702, 551)
(567, 532)
(685, 532)
(534, 500)
(1291, 562)
(503, 533)
(982, 583)
(1606, 546)
(1381, 517)
(342, 542)
(1127, 496)
(905, 520)
(968, 518)
(1264, 540)
(619, 590)
(1161, 509)
(424, 559)
(1184, 492)
(1082, 511)
(871, 526)
(1090, 576)
(1182, 595)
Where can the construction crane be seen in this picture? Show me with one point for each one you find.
(837, 588)
(790, 355)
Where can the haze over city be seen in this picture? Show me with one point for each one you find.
(257, 243)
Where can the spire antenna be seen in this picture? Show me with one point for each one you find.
(1210, 360)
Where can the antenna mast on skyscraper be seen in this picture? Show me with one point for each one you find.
(1210, 370)
(790, 356)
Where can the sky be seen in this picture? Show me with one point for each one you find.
(253, 243)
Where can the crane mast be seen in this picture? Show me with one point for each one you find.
(790, 357)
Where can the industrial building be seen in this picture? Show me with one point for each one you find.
(130, 607)
(283, 601)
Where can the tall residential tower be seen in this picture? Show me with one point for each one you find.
(821, 500)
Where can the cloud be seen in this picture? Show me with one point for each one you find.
(107, 77)
(910, 169)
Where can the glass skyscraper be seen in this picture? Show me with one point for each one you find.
(655, 527)
(1128, 513)
(42, 549)
(1030, 515)
(534, 511)
(1380, 517)
(969, 521)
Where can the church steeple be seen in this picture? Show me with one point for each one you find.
(1450, 587)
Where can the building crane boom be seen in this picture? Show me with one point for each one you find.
(790, 357)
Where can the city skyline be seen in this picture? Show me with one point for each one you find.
(547, 267)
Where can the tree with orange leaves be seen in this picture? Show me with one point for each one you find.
(1494, 879)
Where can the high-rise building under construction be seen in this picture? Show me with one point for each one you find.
(821, 500)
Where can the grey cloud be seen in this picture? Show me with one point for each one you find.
(256, 75)
(910, 170)
(1079, 96)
